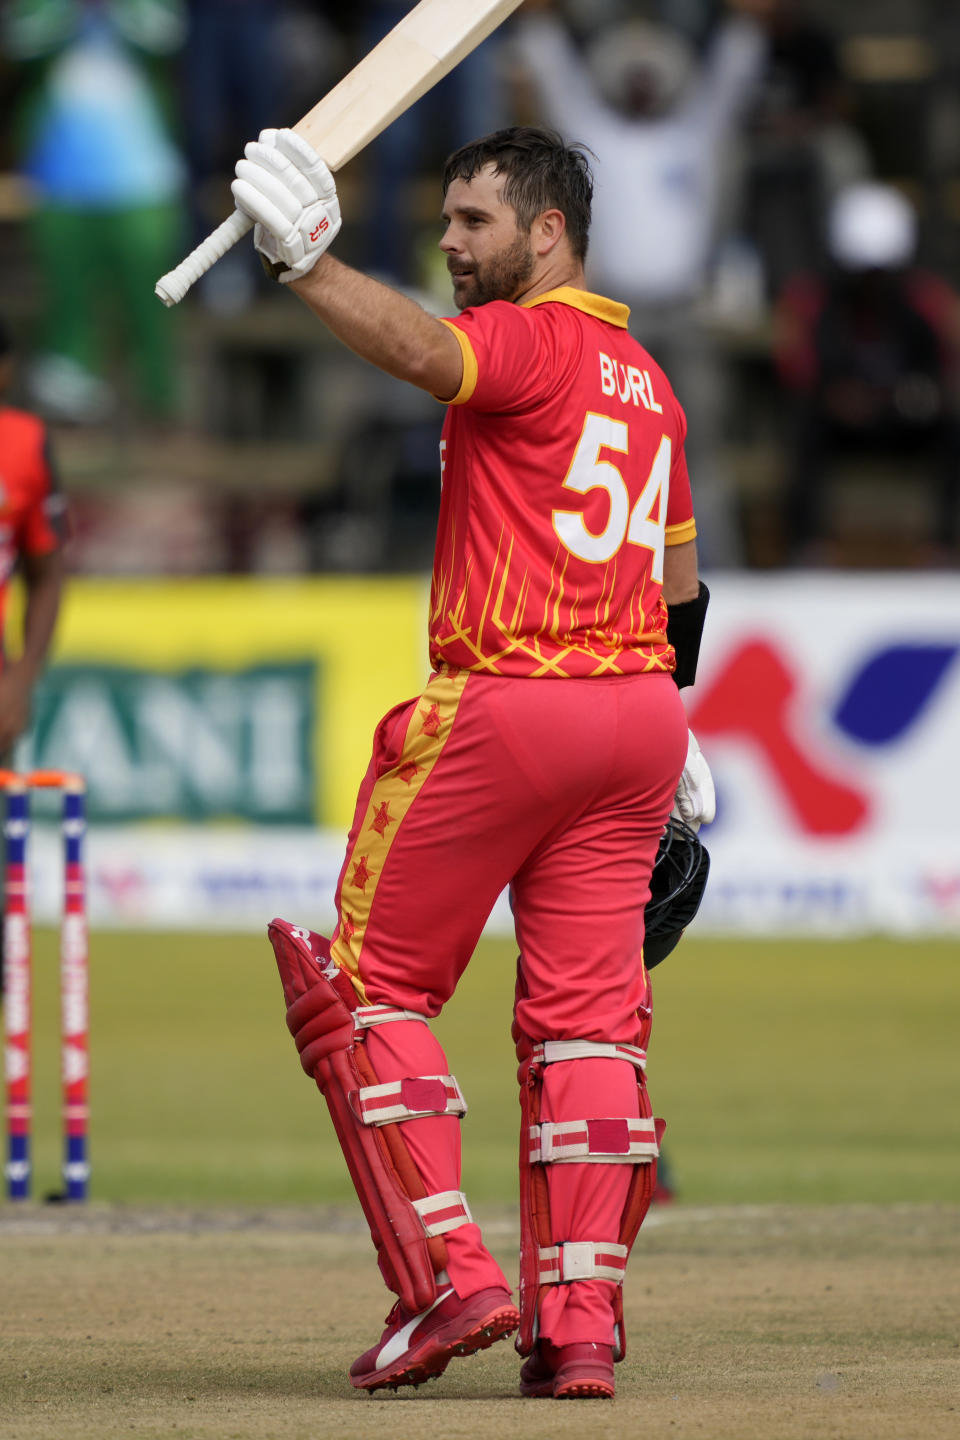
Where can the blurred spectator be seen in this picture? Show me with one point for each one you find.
(468, 102)
(661, 122)
(803, 148)
(868, 352)
(94, 142)
(242, 69)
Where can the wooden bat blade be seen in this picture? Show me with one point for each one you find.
(421, 49)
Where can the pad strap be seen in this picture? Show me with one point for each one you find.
(550, 1052)
(628, 1141)
(447, 1210)
(409, 1099)
(369, 1015)
(582, 1260)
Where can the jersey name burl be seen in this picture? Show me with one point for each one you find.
(628, 383)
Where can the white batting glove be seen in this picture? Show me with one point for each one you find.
(696, 799)
(285, 187)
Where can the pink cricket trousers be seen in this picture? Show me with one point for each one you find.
(561, 789)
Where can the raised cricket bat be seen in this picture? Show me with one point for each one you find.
(420, 49)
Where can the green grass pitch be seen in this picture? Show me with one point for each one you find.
(786, 1070)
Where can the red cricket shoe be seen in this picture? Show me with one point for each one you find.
(414, 1348)
(568, 1372)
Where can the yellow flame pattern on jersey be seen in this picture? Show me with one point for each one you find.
(558, 643)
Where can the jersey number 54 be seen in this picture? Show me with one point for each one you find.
(642, 525)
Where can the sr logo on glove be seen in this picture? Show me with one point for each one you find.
(285, 187)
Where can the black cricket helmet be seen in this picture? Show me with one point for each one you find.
(676, 888)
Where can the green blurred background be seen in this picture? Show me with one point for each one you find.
(787, 1071)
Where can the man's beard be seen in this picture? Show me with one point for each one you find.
(502, 277)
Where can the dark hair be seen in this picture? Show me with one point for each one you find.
(6, 344)
(542, 173)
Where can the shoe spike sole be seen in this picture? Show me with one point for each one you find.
(584, 1390)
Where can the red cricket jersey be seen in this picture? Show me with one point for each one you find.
(32, 510)
(563, 478)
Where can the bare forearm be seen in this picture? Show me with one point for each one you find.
(383, 326)
(39, 620)
(681, 579)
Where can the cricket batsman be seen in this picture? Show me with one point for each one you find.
(544, 754)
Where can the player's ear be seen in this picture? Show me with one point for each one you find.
(547, 230)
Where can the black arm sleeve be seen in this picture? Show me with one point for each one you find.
(684, 630)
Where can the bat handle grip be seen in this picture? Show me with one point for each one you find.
(173, 286)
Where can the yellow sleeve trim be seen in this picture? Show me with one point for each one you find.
(680, 534)
(471, 370)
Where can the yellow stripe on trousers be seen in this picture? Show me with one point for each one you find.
(393, 794)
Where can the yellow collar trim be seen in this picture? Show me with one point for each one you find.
(609, 310)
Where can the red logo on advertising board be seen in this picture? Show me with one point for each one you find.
(752, 700)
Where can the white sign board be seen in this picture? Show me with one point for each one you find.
(828, 707)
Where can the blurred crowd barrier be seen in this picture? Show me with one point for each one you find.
(224, 725)
(230, 435)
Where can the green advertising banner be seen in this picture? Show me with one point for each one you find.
(227, 698)
(198, 744)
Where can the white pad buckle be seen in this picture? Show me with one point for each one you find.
(409, 1099)
(550, 1052)
(630, 1140)
(447, 1210)
(369, 1015)
(582, 1260)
